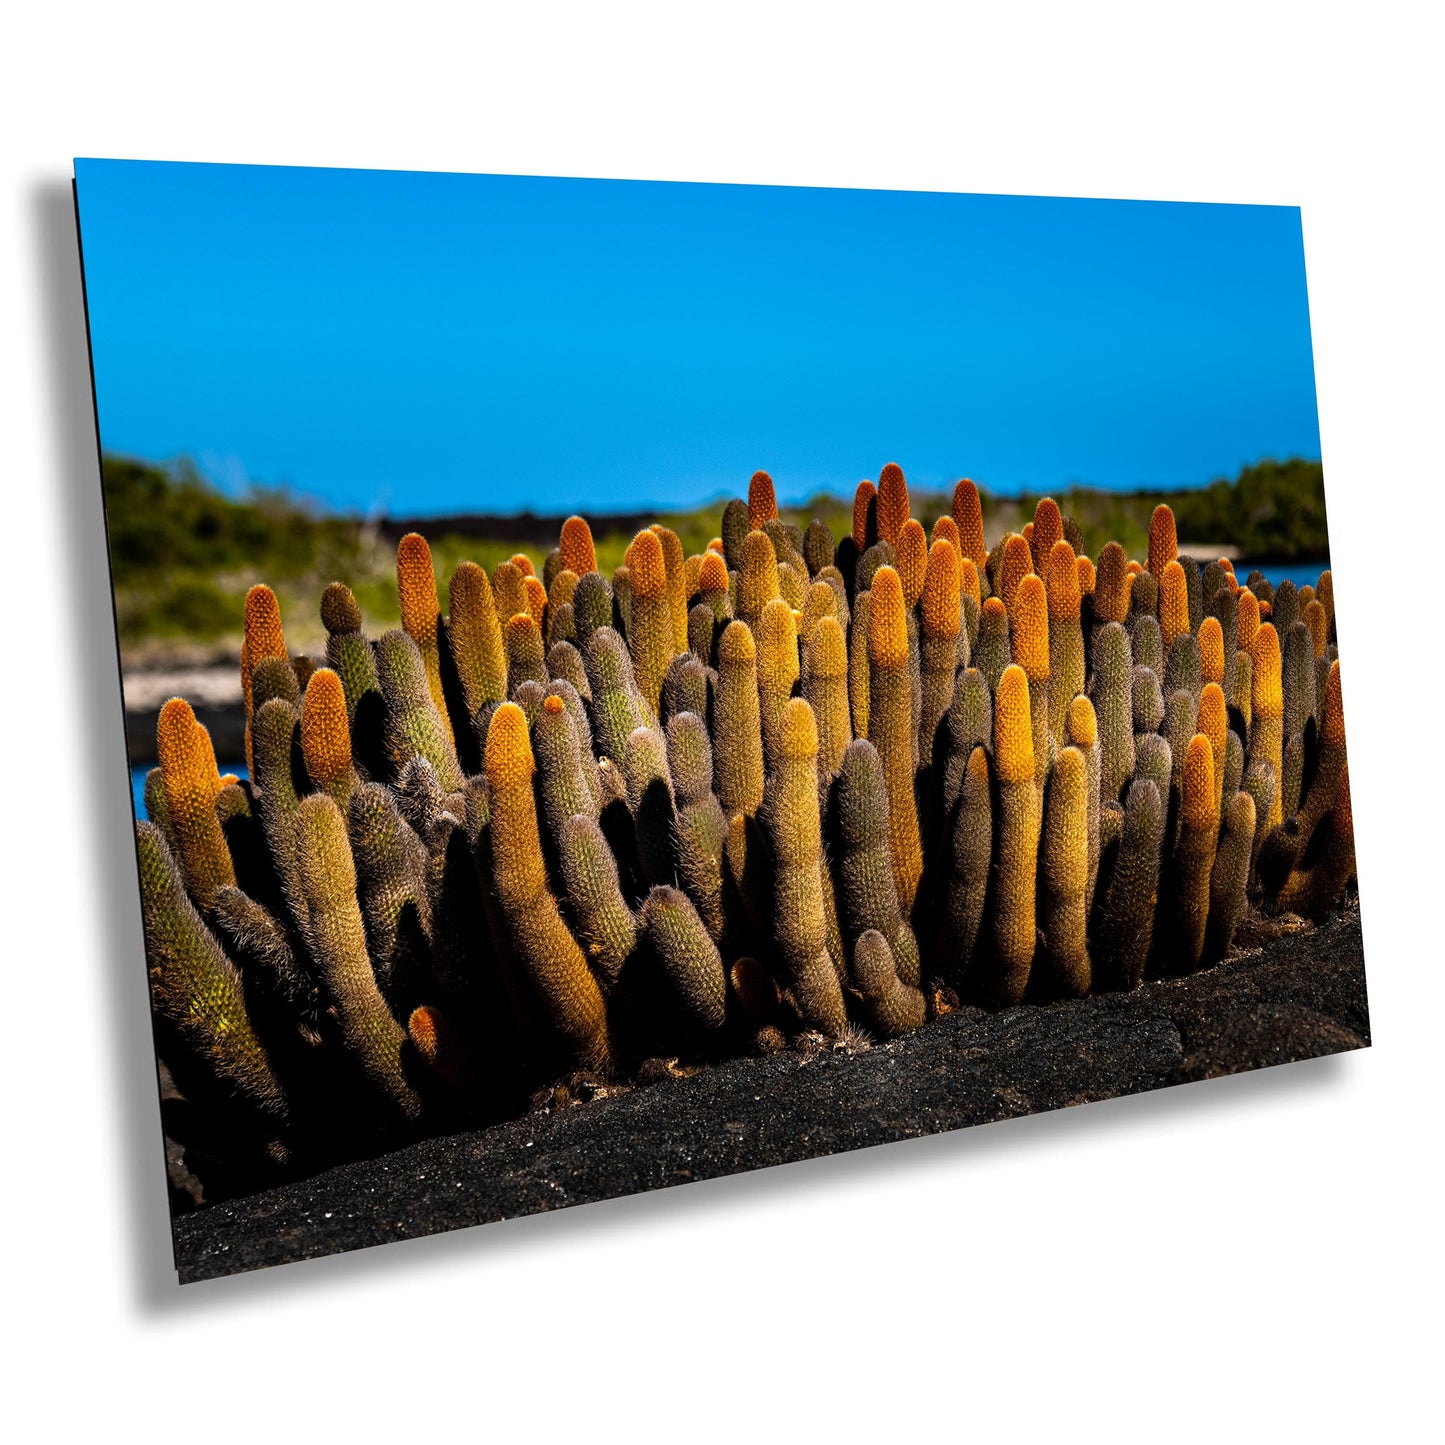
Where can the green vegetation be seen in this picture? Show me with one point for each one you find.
(184, 554)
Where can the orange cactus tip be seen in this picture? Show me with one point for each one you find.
(578, 553)
(564, 586)
(992, 610)
(1318, 622)
(691, 571)
(508, 759)
(1029, 622)
(1266, 610)
(716, 545)
(523, 564)
(1197, 803)
(1083, 722)
(1248, 619)
(325, 737)
(536, 597)
(892, 502)
(758, 554)
(1267, 697)
(422, 1030)
(1013, 733)
(416, 587)
(1211, 650)
(968, 518)
(1028, 534)
(1048, 526)
(178, 736)
(470, 590)
(968, 579)
(712, 576)
(887, 621)
(1213, 716)
(940, 590)
(736, 646)
(798, 730)
(1173, 603)
(262, 622)
(1018, 562)
(762, 503)
(978, 764)
(1087, 576)
(865, 499)
(912, 560)
(1332, 715)
(1062, 583)
(1135, 568)
(672, 558)
(553, 705)
(947, 529)
(645, 565)
(1163, 540)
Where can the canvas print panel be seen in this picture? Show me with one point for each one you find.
(557, 775)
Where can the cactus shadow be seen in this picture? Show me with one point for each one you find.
(86, 627)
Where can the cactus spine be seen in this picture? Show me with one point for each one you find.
(1018, 837)
(416, 587)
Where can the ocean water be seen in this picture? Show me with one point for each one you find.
(1300, 573)
(138, 783)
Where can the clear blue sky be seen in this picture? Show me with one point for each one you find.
(419, 343)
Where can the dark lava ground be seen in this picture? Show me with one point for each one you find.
(1300, 996)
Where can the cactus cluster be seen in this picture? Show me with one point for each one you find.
(579, 824)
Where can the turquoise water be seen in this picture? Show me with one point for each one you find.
(1300, 573)
(138, 783)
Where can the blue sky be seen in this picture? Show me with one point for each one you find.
(420, 343)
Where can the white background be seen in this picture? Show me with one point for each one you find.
(1248, 1258)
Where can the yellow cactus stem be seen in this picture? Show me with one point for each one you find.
(757, 578)
(1018, 838)
(1081, 730)
(820, 602)
(890, 727)
(865, 516)
(968, 518)
(1266, 732)
(1325, 596)
(892, 503)
(1018, 563)
(262, 638)
(1318, 624)
(1029, 644)
(190, 782)
(1087, 576)
(1064, 859)
(552, 957)
(475, 634)
(778, 667)
(1028, 535)
(912, 547)
(1173, 604)
(1163, 540)
(1194, 856)
(968, 581)
(1243, 699)
(535, 597)
(762, 502)
(1065, 634)
(578, 553)
(1213, 723)
(738, 737)
(325, 738)
(1111, 585)
(941, 613)
(825, 685)
(1314, 889)
(1048, 529)
(416, 588)
(675, 567)
(1248, 620)
(563, 588)
(947, 529)
(650, 636)
(1211, 651)
(691, 571)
